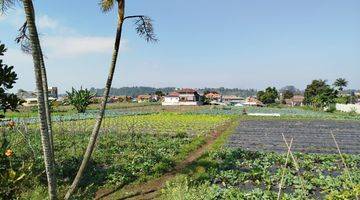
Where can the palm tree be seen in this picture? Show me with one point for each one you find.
(47, 104)
(41, 81)
(24, 41)
(340, 83)
(44, 111)
(145, 29)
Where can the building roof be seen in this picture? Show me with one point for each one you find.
(232, 97)
(253, 101)
(212, 95)
(186, 91)
(144, 96)
(298, 98)
(173, 94)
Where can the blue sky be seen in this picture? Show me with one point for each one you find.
(244, 44)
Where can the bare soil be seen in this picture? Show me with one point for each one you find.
(308, 136)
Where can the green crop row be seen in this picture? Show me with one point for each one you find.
(239, 174)
(130, 149)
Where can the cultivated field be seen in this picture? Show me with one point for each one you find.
(132, 148)
(285, 112)
(309, 136)
(154, 143)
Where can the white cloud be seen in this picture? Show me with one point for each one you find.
(73, 46)
(66, 42)
(59, 41)
(16, 19)
(45, 22)
(2, 17)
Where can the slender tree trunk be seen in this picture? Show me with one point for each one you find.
(96, 129)
(47, 104)
(45, 140)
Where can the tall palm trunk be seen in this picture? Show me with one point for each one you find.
(96, 129)
(45, 140)
(47, 104)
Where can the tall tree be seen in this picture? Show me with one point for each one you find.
(287, 94)
(319, 94)
(340, 83)
(145, 29)
(43, 104)
(41, 81)
(290, 88)
(24, 41)
(268, 96)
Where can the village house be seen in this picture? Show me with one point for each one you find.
(252, 101)
(213, 96)
(183, 97)
(146, 98)
(296, 100)
(119, 99)
(30, 98)
(29, 102)
(171, 99)
(232, 99)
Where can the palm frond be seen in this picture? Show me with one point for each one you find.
(23, 39)
(145, 29)
(5, 5)
(106, 5)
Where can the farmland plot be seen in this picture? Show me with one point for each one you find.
(131, 149)
(238, 174)
(257, 166)
(308, 136)
(283, 112)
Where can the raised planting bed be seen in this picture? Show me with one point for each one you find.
(308, 136)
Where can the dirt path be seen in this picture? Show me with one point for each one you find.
(150, 190)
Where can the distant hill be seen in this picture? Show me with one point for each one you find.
(135, 91)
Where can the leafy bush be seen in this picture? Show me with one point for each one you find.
(319, 94)
(268, 96)
(80, 99)
(343, 99)
(331, 108)
(180, 188)
(13, 170)
(7, 78)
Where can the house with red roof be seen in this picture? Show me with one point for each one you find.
(183, 97)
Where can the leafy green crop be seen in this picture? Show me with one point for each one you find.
(239, 174)
(132, 148)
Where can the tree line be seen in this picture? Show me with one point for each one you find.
(318, 94)
(135, 91)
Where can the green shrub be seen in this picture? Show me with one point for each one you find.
(331, 108)
(80, 99)
(180, 188)
(13, 170)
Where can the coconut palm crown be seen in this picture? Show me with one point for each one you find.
(341, 83)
